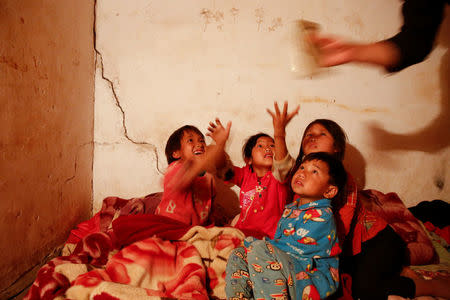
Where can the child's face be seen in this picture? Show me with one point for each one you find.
(262, 152)
(192, 145)
(311, 181)
(318, 139)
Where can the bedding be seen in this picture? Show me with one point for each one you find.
(126, 252)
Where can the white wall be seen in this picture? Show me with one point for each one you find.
(170, 63)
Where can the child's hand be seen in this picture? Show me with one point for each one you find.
(219, 133)
(280, 120)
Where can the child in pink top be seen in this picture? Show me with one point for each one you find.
(188, 187)
(262, 197)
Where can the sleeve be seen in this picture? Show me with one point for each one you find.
(421, 21)
(235, 175)
(316, 233)
(347, 211)
(280, 168)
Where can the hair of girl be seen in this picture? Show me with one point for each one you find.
(336, 131)
(174, 142)
(336, 172)
(250, 143)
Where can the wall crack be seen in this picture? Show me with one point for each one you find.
(99, 58)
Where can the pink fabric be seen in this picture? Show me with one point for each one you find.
(190, 205)
(262, 202)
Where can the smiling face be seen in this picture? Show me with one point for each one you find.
(311, 181)
(318, 139)
(192, 146)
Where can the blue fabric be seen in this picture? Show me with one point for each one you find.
(301, 260)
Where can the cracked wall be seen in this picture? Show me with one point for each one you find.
(46, 148)
(161, 65)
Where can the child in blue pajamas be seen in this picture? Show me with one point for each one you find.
(301, 262)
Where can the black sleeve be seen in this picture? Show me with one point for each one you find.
(421, 20)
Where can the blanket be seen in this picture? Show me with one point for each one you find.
(126, 252)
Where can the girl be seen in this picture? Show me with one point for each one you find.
(188, 188)
(301, 262)
(262, 197)
(374, 254)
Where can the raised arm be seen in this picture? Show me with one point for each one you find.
(280, 121)
(214, 157)
(220, 135)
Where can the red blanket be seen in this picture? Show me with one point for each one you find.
(115, 255)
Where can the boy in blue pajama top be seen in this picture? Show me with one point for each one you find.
(301, 262)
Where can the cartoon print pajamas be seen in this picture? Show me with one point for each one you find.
(301, 262)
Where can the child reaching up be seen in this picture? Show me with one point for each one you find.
(262, 197)
(373, 253)
(301, 262)
(188, 189)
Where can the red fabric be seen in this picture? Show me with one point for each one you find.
(168, 268)
(262, 202)
(112, 206)
(367, 224)
(130, 229)
(444, 232)
(346, 284)
(391, 208)
(190, 205)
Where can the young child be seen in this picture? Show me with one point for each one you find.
(262, 197)
(301, 262)
(373, 253)
(188, 188)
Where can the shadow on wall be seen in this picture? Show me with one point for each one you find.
(436, 135)
(355, 165)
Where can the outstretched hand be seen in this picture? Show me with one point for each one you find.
(219, 133)
(333, 51)
(281, 119)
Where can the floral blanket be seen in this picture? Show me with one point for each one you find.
(126, 252)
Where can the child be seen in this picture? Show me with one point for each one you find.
(262, 198)
(374, 254)
(188, 189)
(301, 262)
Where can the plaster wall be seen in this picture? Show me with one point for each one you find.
(46, 116)
(163, 64)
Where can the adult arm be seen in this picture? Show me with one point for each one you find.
(421, 20)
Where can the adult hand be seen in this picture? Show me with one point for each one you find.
(333, 51)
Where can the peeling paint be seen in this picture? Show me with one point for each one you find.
(259, 14)
(276, 23)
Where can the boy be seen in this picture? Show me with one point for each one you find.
(301, 262)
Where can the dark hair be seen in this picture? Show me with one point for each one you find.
(336, 171)
(250, 143)
(174, 142)
(336, 131)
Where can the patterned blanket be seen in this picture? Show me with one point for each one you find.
(126, 252)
